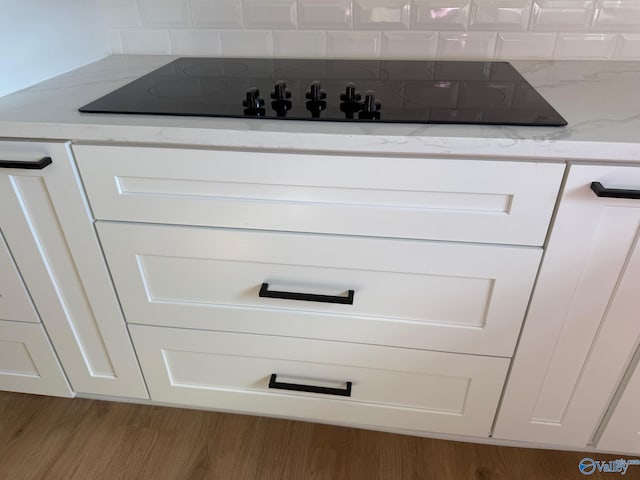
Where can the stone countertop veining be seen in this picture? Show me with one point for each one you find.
(599, 99)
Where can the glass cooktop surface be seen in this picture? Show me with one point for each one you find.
(459, 92)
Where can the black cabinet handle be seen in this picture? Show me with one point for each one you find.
(35, 165)
(297, 387)
(602, 191)
(308, 297)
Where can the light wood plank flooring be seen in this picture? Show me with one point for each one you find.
(53, 438)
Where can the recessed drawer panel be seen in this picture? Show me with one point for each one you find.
(28, 364)
(432, 295)
(320, 380)
(15, 303)
(464, 200)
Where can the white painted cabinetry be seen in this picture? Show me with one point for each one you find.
(582, 329)
(404, 278)
(47, 226)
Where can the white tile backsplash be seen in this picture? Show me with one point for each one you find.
(628, 47)
(471, 45)
(539, 29)
(216, 13)
(292, 44)
(164, 13)
(269, 14)
(561, 15)
(409, 45)
(617, 16)
(353, 44)
(585, 46)
(440, 14)
(381, 14)
(500, 14)
(522, 45)
(151, 42)
(246, 43)
(195, 42)
(325, 14)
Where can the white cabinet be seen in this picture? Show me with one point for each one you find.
(407, 277)
(622, 430)
(582, 329)
(48, 229)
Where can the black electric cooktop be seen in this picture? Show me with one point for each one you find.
(464, 92)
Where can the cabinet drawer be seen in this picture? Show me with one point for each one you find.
(15, 303)
(432, 295)
(28, 364)
(390, 387)
(465, 200)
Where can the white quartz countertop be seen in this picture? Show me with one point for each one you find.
(600, 100)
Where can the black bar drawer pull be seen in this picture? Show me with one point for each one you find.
(308, 297)
(602, 191)
(35, 165)
(297, 387)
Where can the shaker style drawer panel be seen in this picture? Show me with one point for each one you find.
(465, 200)
(28, 364)
(15, 303)
(432, 295)
(321, 380)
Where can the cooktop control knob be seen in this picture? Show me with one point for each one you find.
(350, 95)
(253, 101)
(315, 92)
(370, 107)
(280, 91)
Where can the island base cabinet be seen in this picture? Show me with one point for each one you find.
(325, 381)
(28, 364)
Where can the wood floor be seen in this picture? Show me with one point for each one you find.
(53, 438)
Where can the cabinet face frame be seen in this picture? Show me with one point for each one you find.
(580, 333)
(48, 227)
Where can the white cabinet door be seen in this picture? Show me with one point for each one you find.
(582, 328)
(391, 387)
(48, 227)
(15, 303)
(434, 295)
(622, 431)
(28, 363)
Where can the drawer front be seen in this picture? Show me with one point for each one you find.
(390, 387)
(28, 364)
(15, 303)
(464, 200)
(430, 295)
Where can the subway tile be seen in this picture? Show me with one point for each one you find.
(617, 16)
(195, 42)
(440, 14)
(500, 14)
(324, 14)
(561, 15)
(269, 14)
(628, 47)
(409, 45)
(216, 13)
(585, 46)
(525, 45)
(472, 45)
(119, 13)
(353, 44)
(143, 41)
(246, 43)
(300, 44)
(115, 41)
(164, 13)
(381, 14)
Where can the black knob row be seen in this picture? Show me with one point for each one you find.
(351, 101)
